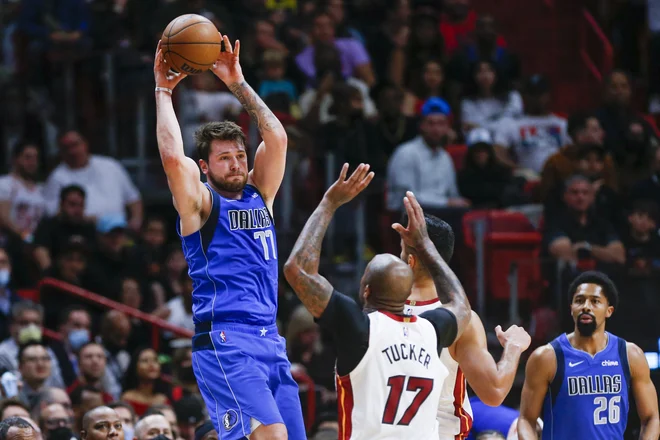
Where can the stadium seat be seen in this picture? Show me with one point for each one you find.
(457, 153)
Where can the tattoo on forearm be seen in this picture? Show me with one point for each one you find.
(254, 105)
(305, 257)
(447, 285)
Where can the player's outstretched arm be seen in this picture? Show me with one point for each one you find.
(644, 392)
(270, 158)
(182, 172)
(450, 291)
(490, 381)
(540, 371)
(302, 268)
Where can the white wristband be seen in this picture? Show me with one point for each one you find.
(164, 89)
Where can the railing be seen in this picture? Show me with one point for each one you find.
(157, 324)
(607, 57)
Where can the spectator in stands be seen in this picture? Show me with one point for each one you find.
(17, 428)
(7, 296)
(115, 332)
(13, 408)
(84, 399)
(457, 24)
(527, 142)
(316, 102)
(152, 426)
(182, 368)
(388, 42)
(75, 324)
(54, 233)
(487, 46)
(92, 370)
(578, 234)
(22, 202)
(423, 166)
(354, 58)
(34, 364)
(25, 326)
(206, 431)
(93, 172)
(634, 157)
(419, 44)
(166, 411)
(152, 245)
(337, 11)
(54, 417)
(487, 99)
(127, 416)
(168, 284)
(483, 180)
(178, 310)
(143, 385)
(617, 111)
(53, 395)
(189, 412)
(101, 423)
(274, 81)
(649, 188)
(426, 83)
(641, 240)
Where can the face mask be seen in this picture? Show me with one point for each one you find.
(78, 338)
(128, 433)
(4, 277)
(61, 433)
(30, 333)
(161, 437)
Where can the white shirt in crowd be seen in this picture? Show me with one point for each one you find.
(178, 314)
(484, 112)
(28, 205)
(107, 185)
(428, 173)
(309, 96)
(532, 138)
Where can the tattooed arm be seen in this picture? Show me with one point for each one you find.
(302, 268)
(270, 158)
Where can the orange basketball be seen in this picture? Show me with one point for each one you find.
(191, 44)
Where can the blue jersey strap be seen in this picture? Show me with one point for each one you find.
(623, 356)
(558, 380)
(208, 229)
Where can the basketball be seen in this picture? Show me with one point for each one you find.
(191, 44)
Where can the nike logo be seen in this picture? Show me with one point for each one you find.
(571, 364)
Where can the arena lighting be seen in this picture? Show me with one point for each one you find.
(653, 358)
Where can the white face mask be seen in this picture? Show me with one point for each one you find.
(4, 277)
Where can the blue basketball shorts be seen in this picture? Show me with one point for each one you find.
(245, 379)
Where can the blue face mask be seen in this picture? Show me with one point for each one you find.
(78, 338)
(4, 277)
(128, 433)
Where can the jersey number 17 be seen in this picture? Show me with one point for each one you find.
(422, 386)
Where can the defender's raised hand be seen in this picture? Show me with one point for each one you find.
(162, 74)
(343, 190)
(227, 67)
(415, 234)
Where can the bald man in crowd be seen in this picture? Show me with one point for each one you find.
(102, 423)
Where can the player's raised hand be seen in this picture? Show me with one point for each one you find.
(344, 190)
(415, 233)
(162, 74)
(227, 67)
(514, 335)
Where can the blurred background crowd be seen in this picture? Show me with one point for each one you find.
(528, 125)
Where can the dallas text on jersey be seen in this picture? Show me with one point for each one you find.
(597, 384)
(405, 352)
(256, 218)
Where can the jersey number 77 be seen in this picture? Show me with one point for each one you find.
(422, 386)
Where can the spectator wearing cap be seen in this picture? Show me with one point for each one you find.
(53, 233)
(423, 166)
(108, 187)
(189, 413)
(527, 142)
(206, 431)
(483, 180)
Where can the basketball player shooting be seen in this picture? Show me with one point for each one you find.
(389, 373)
(580, 381)
(467, 359)
(228, 238)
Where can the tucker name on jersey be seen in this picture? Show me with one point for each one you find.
(405, 352)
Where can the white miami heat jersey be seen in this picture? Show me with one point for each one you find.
(393, 392)
(454, 411)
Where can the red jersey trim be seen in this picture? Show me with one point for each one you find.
(345, 406)
(399, 318)
(460, 388)
(422, 303)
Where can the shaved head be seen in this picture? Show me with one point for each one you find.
(93, 415)
(386, 282)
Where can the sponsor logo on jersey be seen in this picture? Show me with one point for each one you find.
(610, 363)
(230, 419)
(574, 364)
(256, 218)
(595, 384)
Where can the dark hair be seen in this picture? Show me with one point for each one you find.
(77, 393)
(216, 131)
(645, 206)
(499, 90)
(125, 405)
(6, 403)
(64, 192)
(156, 410)
(381, 87)
(66, 313)
(440, 233)
(27, 345)
(20, 147)
(578, 121)
(131, 380)
(575, 178)
(600, 279)
(609, 76)
(13, 422)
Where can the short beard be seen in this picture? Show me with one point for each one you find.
(587, 329)
(224, 185)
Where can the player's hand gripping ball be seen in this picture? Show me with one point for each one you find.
(191, 44)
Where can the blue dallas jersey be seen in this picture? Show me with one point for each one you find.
(588, 398)
(232, 262)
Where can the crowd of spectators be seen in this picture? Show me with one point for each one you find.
(400, 84)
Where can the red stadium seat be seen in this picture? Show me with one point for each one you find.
(457, 153)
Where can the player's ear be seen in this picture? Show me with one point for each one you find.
(412, 261)
(610, 311)
(367, 292)
(204, 166)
